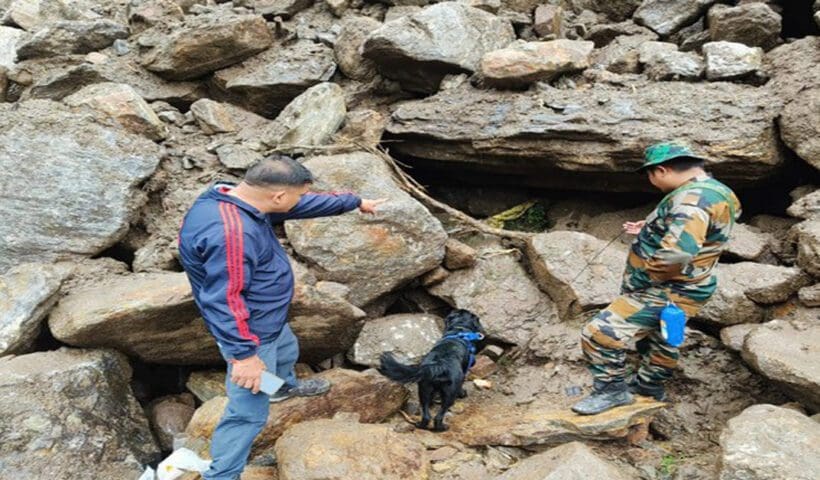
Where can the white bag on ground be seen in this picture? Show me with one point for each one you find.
(180, 462)
(148, 474)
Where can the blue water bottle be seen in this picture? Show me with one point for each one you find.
(673, 321)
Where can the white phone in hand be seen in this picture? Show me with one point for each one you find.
(270, 383)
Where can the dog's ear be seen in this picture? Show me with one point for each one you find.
(475, 323)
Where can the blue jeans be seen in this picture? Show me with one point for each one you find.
(246, 413)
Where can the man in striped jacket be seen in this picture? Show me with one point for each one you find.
(243, 283)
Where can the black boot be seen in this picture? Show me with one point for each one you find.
(654, 390)
(604, 396)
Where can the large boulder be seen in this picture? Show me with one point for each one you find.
(788, 354)
(766, 442)
(571, 461)
(206, 43)
(71, 414)
(409, 335)
(267, 82)
(150, 316)
(589, 138)
(369, 394)
(419, 49)
(72, 37)
(309, 120)
(380, 252)
(806, 206)
(27, 293)
(668, 16)
(94, 174)
(338, 449)
(122, 103)
(749, 242)
(795, 71)
(169, 416)
(571, 270)
(667, 63)
(523, 63)
(744, 287)
(753, 24)
(348, 47)
(499, 290)
(326, 324)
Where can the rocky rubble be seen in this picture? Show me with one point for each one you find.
(115, 115)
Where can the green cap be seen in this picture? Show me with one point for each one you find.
(663, 152)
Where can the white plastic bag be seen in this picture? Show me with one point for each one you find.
(179, 463)
(148, 474)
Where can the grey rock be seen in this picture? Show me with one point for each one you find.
(72, 37)
(150, 316)
(169, 416)
(10, 38)
(615, 10)
(32, 15)
(670, 64)
(93, 194)
(121, 47)
(348, 47)
(668, 16)
(213, 117)
(557, 258)
(420, 49)
(78, 406)
(410, 336)
(309, 120)
(795, 80)
(734, 336)
(524, 63)
(810, 296)
(571, 461)
(237, 156)
(398, 11)
(742, 286)
(459, 255)
(122, 103)
(27, 293)
(535, 137)
(206, 43)
(622, 54)
(206, 384)
(730, 60)
(808, 246)
(267, 82)
(766, 442)
(280, 8)
(807, 206)
(143, 14)
(748, 242)
(499, 290)
(549, 21)
(752, 24)
(787, 353)
(603, 34)
(385, 251)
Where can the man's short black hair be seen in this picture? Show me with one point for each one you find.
(278, 170)
(680, 164)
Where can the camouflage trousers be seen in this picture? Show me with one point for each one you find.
(630, 317)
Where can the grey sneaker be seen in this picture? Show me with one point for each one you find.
(604, 396)
(305, 388)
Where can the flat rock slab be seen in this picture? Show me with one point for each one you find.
(592, 138)
(369, 394)
(151, 316)
(409, 335)
(572, 461)
(92, 195)
(481, 425)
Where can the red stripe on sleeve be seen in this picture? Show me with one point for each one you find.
(234, 246)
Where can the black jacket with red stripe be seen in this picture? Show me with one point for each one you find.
(241, 277)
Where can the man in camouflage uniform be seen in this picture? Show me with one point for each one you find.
(672, 259)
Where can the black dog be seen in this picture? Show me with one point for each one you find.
(443, 369)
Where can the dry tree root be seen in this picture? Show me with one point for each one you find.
(411, 186)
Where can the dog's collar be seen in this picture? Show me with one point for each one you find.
(468, 339)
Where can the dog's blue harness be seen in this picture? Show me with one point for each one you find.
(468, 339)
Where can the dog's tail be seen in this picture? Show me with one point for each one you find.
(398, 372)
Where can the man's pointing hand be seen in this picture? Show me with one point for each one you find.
(369, 206)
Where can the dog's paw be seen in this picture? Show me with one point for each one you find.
(440, 428)
(462, 394)
(423, 425)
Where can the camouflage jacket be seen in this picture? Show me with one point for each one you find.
(678, 248)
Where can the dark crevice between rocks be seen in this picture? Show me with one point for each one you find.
(798, 18)
(119, 252)
(151, 381)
